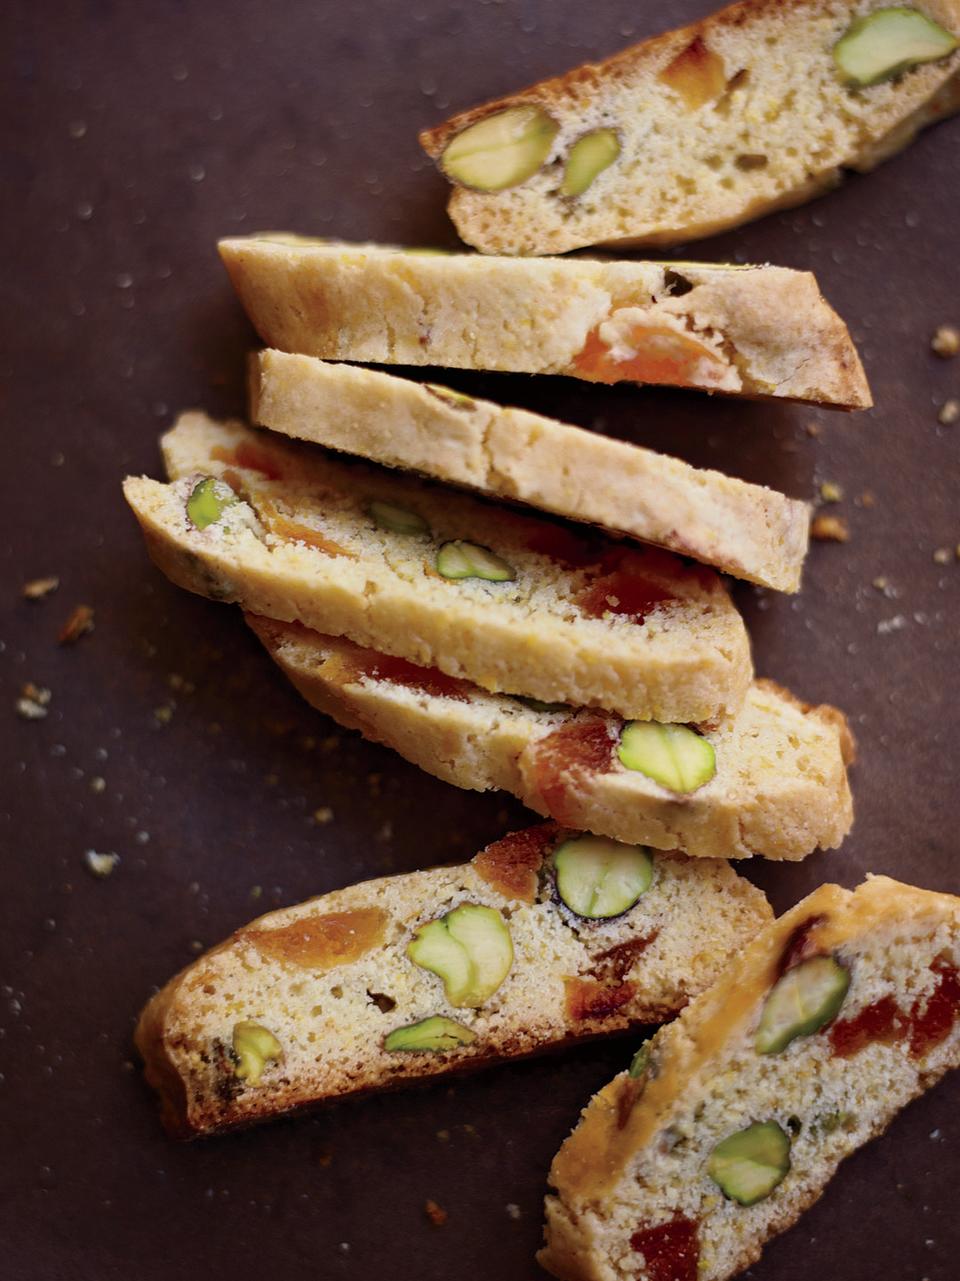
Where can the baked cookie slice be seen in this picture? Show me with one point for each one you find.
(742, 331)
(755, 108)
(547, 936)
(731, 1122)
(770, 781)
(510, 601)
(745, 530)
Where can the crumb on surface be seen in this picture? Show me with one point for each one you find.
(943, 556)
(513, 1211)
(867, 499)
(37, 588)
(830, 529)
(435, 1213)
(100, 865)
(949, 412)
(324, 814)
(163, 715)
(945, 341)
(33, 702)
(813, 429)
(830, 492)
(79, 622)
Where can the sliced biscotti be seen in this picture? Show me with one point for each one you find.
(438, 577)
(742, 529)
(754, 108)
(770, 781)
(545, 937)
(752, 331)
(731, 1121)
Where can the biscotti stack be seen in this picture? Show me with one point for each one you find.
(512, 602)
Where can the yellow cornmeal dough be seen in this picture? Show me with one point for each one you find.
(331, 1021)
(742, 529)
(719, 122)
(624, 1169)
(780, 788)
(768, 330)
(688, 661)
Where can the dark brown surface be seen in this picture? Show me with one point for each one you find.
(132, 136)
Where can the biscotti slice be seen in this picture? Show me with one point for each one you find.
(547, 936)
(731, 1122)
(750, 331)
(755, 108)
(770, 781)
(745, 530)
(511, 601)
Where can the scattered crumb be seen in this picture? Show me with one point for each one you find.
(37, 588)
(196, 945)
(435, 1213)
(949, 413)
(813, 429)
(830, 529)
(78, 624)
(895, 624)
(867, 499)
(323, 815)
(330, 744)
(946, 341)
(308, 743)
(881, 583)
(513, 1211)
(324, 1156)
(256, 891)
(100, 865)
(943, 556)
(443, 1135)
(385, 831)
(163, 715)
(830, 492)
(33, 702)
(98, 784)
(181, 684)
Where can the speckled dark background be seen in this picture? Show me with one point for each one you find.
(131, 137)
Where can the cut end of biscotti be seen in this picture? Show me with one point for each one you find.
(771, 781)
(755, 108)
(434, 972)
(829, 1022)
(745, 530)
(755, 331)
